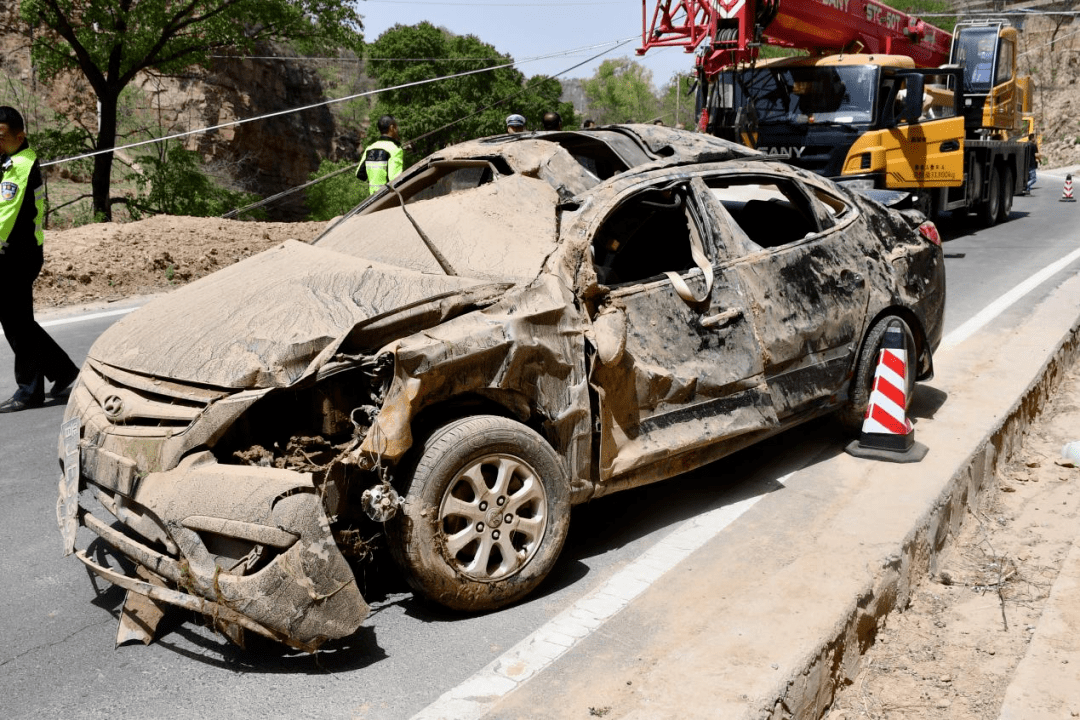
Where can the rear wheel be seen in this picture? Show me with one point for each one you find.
(1007, 194)
(852, 414)
(989, 210)
(485, 514)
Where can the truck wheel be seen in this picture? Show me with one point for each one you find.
(990, 210)
(927, 202)
(853, 413)
(1007, 186)
(485, 514)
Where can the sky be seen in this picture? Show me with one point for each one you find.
(570, 30)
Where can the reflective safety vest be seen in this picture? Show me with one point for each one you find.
(383, 160)
(22, 203)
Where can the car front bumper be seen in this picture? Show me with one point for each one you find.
(248, 546)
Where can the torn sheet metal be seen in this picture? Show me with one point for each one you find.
(526, 352)
(254, 540)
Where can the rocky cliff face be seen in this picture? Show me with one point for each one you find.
(1050, 55)
(265, 156)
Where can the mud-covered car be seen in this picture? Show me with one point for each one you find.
(517, 325)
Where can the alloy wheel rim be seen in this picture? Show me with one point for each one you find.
(493, 517)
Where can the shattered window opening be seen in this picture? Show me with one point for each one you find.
(598, 158)
(836, 208)
(647, 235)
(770, 213)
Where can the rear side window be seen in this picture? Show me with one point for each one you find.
(836, 209)
(771, 213)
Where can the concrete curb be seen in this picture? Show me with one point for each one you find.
(759, 628)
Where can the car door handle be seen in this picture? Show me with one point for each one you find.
(722, 318)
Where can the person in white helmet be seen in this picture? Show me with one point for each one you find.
(515, 123)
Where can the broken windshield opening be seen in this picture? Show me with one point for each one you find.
(439, 179)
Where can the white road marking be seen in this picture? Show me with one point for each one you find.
(91, 316)
(1003, 303)
(83, 318)
(477, 694)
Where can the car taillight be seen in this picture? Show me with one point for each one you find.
(929, 231)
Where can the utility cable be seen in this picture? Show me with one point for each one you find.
(234, 123)
(273, 198)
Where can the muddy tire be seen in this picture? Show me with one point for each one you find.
(1007, 185)
(989, 211)
(485, 514)
(852, 414)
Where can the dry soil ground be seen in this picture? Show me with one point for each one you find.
(110, 261)
(951, 654)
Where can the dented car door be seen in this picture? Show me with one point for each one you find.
(678, 364)
(801, 257)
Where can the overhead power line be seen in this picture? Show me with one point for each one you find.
(265, 201)
(242, 121)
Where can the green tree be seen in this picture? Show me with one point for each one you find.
(111, 41)
(621, 91)
(172, 182)
(678, 102)
(437, 114)
(336, 195)
(926, 7)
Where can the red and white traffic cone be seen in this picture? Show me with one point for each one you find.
(1066, 194)
(887, 434)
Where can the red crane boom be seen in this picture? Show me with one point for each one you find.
(735, 29)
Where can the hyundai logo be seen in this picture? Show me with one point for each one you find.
(113, 406)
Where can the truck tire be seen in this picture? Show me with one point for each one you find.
(989, 210)
(1007, 186)
(485, 514)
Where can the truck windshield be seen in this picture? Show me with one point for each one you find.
(974, 51)
(835, 94)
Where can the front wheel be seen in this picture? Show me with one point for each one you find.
(485, 514)
(853, 413)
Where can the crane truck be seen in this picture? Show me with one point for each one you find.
(882, 100)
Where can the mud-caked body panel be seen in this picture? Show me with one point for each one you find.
(639, 301)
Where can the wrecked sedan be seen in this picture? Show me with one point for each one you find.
(517, 325)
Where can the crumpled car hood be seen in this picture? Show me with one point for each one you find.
(260, 322)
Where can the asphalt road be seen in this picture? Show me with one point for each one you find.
(58, 626)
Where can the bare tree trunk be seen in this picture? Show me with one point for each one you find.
(101, 180)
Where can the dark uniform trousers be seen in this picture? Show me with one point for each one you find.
(37, 356)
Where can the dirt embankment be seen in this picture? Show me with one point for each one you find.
(110, 261)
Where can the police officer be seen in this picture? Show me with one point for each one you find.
(384, 158)
(22, 212)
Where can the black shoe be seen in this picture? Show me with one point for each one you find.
(14, 404)
(62, 386)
